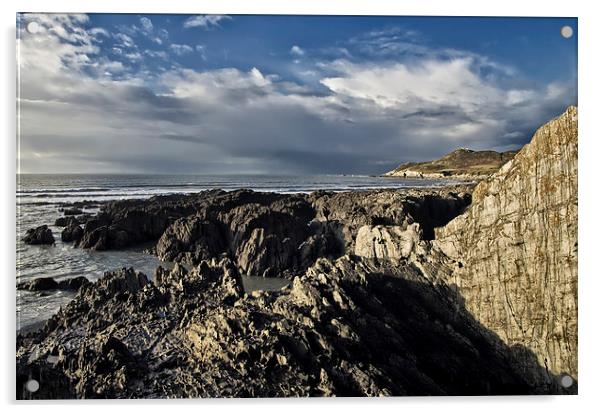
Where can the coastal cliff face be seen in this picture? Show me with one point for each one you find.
(516, 249)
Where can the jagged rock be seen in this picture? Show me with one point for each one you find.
(264, 233)
(191, 240)
(516, 247)
(121, 224)
(104, 238)
(39, 235)
(71, 233)
(126, 280)
(282, 235)
(348, 327)
(345, 212)
(386, 242)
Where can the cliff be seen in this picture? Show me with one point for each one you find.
(516, 249)
(461, 163)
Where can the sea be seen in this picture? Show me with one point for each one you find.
(40, 198)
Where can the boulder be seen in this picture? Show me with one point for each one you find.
(49, 283)
(39, 284)
(72, 233)
(39, 235)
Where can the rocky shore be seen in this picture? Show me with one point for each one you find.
(392, 292)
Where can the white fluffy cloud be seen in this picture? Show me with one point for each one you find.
(180, 49)
(205, 21)
(81, 112)
(124, 40)
(297, 51)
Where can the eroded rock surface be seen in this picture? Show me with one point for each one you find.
(517, 247)
(386, 242)
(349, 327)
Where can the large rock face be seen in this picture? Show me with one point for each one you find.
(516, 249)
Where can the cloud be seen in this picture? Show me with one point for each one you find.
(135, 56)
(205, 21)
(180, 49)
(124, 41)
(297, 51)
(158, 54)
(81, 111)
(98, 32)
(147, 24)
(432, 82)
(161, 37)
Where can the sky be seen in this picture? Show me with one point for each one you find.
(241, 94)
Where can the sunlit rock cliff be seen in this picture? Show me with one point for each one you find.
(516, 249)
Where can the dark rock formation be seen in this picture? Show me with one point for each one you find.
(125, 223)
(73, 284)
(49, 283)
(39, 235)
(265, 234)
(191, 239)
(71, 233)
(461, 163)
(282, 235)
(39, 284)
